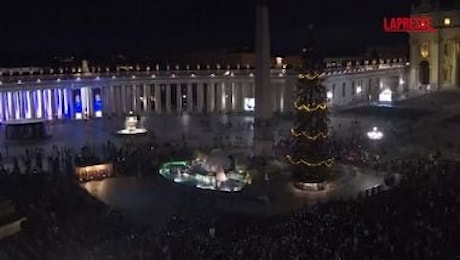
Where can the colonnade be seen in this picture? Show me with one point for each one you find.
(35, 104)
(177, 97)
(84, 99)
(101, 95)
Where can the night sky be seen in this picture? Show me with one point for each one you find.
(158, 27)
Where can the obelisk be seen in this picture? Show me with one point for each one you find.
(263, 135)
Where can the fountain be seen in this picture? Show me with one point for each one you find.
(131, 126)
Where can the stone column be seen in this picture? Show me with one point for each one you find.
(27, 104)
(16, 105)
(46, 104)
(179, 98)
(440, 67)
(5, 105)
(109, 99)
(123, 98)
(90, 99)
(234, 97)
(6, 115)
(9, 105)
(60, 102)
(21, 104)
(219, 94)
(168, 98)
(50, 105)
(146, 98)
(115, 99)
(13, 105)
(52, 102)
(434, 62)
(200, 97)
(414, 56)
(263, 136)
(190, 103)
(211, 97)
(2, 105)
(128, 98)
(134, 99)
(29, 100)
(70, 100)
(226, 96)
(241, 97)
(43, 104)
(283, 97)
(158, 99)
(456, 64)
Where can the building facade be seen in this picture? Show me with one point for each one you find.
(41, 93)
(434, 56)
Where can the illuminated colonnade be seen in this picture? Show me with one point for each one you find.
(75, 96)
(92, 97)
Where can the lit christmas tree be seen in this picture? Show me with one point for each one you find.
(310, 155)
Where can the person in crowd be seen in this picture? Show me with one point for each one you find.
(418, 218)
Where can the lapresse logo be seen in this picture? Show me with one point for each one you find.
(408, 24)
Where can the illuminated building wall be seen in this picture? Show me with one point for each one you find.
(191, 91)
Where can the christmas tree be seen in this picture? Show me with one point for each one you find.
(310, 156)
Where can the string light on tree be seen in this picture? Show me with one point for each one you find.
(327, 163)
(309, 137)
(310, 107)
(311, 76)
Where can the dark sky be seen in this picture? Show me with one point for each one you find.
(100, 27)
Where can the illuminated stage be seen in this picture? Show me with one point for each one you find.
(207, 173)
(94, 172)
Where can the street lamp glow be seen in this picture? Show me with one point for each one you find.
(447, 21)
(375, 134)
(359, 89)
(329, 95)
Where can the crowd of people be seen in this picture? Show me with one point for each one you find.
(418, 219)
